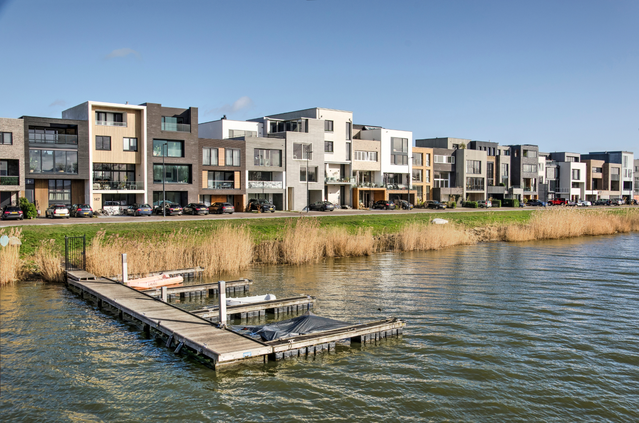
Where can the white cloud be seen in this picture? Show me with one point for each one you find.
(123, 52)
(58, 103)
(242, 103)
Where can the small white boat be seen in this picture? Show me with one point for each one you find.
(248, 300)
(439, 221)
(157, 281)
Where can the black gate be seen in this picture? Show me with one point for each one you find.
(75, 252)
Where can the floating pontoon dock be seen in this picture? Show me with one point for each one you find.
(180, 329)
(202, 290)
(277, 307)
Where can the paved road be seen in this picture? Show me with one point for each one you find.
(242, 215)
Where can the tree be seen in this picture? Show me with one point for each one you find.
(28, 209)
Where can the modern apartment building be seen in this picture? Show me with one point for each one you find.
(446, 186)
(625, 178)
(58, 155)
(548, 182)
(497, 168)
(12, 168)
(636, 173)
(571, 183)
(117, 152)
(223, 167)
(173, 154)
(422, 172)
(367, 170)
(524, 171)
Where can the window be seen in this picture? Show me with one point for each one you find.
(236, 133)
(312, 174)
(417, 175)
(109, 119)
(490, 173)
(328, 146)
(174, 174)
(575, 174)
(220, 180)
(9, 172)
(444, 159)
(427, 159)
(571, 159)
(302, 151)
(328, 125)
(113, 172)
(529, 168)
(50, 161)
(349, 129)
(473, 167)
(530, 153)
(268, 158)
(441, 180)
(260, 176)
(232, 157)
(597, 170)
(46, 135)
(366, 156)
(474, 184)
(427, 176)
(130, 144)
(6, 138)
(168, 148)
(175, 124)
(348, 151)
(59, 191)
(417, 159)
(209, 156)
(102, 143)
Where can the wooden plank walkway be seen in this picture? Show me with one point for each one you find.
(298, 304)
(180, 328)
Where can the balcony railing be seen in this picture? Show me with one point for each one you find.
(221, 185)
(614, 177)
(369, 185)
(338, 181)
(53, 139)
(396, 186)
(266, 184)
(110, 123)
(176, 127)
(110, 185)
(9, 180)
(471, 187)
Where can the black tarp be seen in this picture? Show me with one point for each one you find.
(309, 323)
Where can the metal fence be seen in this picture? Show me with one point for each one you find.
(75, 252)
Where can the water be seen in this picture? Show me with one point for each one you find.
(543, 331)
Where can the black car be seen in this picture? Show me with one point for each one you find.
(220, 208)
(405, 205)
(196, 209)
(81, 210)
(322, 206)
(12, 212)
(536, 203)
(433, 204)
(383, 205)
(260, 205)
(172, 209)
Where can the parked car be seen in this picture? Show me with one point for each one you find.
(584, 203)
(81, 210)
(172, 209)
(484, 204)
(139, 210)
(571, 203)
(196, 209)
(601, 202)
(433, 204)
(260, 205)
(404, 205)
(12, 212)
(616, 202)
(322, 206)
(221, 208)
(57, 210)
(383, 205)
(557, 202)
(536, 203)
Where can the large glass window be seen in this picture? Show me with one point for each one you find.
(168, 148)
(109, 119)
(59, 191)
(236, 133)
(399, 148)
(50, 161)
(312, 174)
(490, 173)
(575, 174)
(46, 135)
(102, 142)
(366, 156)
(220, 180)
(473, 167)
(302, 151)
(529, 168)
(130, 144)
(232, 157)
(209, 156)
(174, 174)
(417, 159)
(417, 175)
(263, 157)
(475, 184)
(328, 125)
(444, 159)
(113, 172)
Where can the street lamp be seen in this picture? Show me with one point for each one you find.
(165, 144)
(308, 193)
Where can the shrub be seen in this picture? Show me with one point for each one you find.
(496, 203)
(510, 202)
(451, 204)
(471, 204)
(29, 209)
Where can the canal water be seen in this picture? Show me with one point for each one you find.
(540, 331)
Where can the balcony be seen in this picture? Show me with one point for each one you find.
(496, 189)
(614, 177)
(176, 127)
(339, 181)
(110, 123)
(53, 139)
(473, 187)
(118, 186)
(396, 186)
(368, 185)
(221, 185)
(9, 180)
(266, 184)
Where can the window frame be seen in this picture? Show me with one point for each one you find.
(328, 147)
(2, 138)
(100, 143)
(129, 139)
(329, 126)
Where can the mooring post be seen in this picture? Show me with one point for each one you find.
(222, 296)
(125, 273)
(164, 294)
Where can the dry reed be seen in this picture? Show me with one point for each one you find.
(419, 236)
(10, 263)
(48, 262)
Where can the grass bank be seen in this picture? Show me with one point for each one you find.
(230, 246)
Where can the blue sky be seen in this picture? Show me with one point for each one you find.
(560, 74)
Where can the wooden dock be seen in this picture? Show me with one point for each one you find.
(184, 331)
(202, 290)
(278, 307)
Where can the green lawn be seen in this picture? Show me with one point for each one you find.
(261, 228)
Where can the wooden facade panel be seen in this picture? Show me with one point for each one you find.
(77, 192)
(205, 177)
(41, 194)
(118, 133)
(220, 157)
(237, 181)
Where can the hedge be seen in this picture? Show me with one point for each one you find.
(496, 203)
(471, 204)
(510, 202)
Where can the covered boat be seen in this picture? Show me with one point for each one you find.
(302, 325)
(154, 282)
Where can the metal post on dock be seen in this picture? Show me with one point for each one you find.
(222, 296)
(164, 293)
(125, 272)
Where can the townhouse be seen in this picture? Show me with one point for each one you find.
(571, 181)
(12, 167)
(524, 171)
(622, 179)
(497, 168)
(421, 173)
(636, 183)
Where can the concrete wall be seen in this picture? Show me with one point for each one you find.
(297, 190)
(219, 129)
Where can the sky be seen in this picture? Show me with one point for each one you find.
(563, 75)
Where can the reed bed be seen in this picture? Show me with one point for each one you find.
(417, 236)
(10, 263)
(48, 262)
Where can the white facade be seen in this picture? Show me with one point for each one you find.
(225, 128)
(627, 177)
(388, 164)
